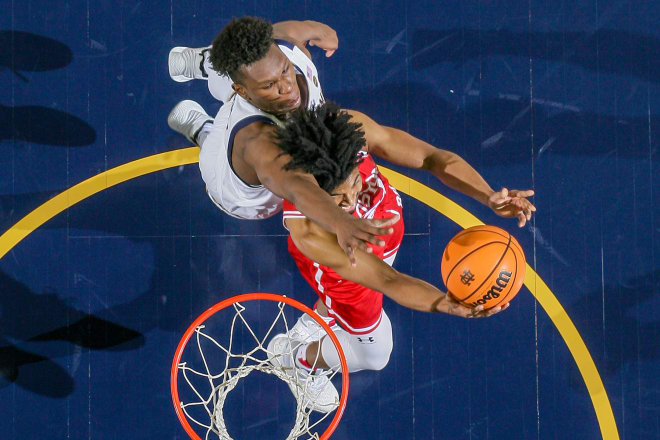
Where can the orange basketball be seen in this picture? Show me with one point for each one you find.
(483, 265)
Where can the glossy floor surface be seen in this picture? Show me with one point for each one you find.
(562, 97)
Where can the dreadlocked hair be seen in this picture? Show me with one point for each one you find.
(322, 142)
(241, 43)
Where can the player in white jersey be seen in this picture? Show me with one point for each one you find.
(272, 76)
(225, 187)
(247, 175)
(186, 63)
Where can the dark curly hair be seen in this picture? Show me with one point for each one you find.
(241, 43)
(322, 142)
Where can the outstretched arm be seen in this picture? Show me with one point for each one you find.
(372, 272)
(302, 189)
(302, 32)
(401, 148)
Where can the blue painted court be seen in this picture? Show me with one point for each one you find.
(100, 278)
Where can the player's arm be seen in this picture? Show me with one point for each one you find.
(372, 272)
(302, 189)
(302, 32)
(403, 149)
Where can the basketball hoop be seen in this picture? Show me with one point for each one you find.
(211, 343)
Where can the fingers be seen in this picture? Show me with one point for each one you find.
(500, 197)
(361, 245)
(479, 312)
(371, 229)
(516, 205)
(519, 199)
(364, 232)
(377, 241)
(384, 222)
(371, 235)
(494, 310)
(519, 193)
(326, 44)
(350, 253)
(351, 247)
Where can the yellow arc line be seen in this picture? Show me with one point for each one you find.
(91, 186)
(423, 193)
(538, 288)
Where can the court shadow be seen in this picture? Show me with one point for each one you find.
(33, 372)
(27, 52)
(504, 134)
(616, 336)
(42, 125)
(605, 50)
(184, 275)
(31, 317)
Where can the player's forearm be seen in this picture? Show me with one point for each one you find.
(313, 202)
(301, 31)
(370, 271)
(415, 294)
(403, 149)
(456, 173)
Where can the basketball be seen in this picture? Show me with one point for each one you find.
(483, 265)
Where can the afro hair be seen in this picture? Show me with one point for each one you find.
(241, 43)
(322, 142)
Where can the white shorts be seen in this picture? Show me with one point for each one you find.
(370, 351)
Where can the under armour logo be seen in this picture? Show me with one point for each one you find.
(369, 340)
(467, 277)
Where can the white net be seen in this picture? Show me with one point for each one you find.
(230, 362)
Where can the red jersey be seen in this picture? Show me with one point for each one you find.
(357, 308)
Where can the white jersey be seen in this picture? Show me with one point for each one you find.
(225, 188)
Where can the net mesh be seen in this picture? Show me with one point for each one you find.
(222, 379)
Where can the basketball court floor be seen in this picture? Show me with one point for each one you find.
(99, 278)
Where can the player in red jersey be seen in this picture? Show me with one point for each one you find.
(365, 194)
(324, 143)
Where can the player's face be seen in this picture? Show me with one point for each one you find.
(346, 194)
(270, 83)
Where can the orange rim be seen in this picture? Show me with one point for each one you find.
(252, 297)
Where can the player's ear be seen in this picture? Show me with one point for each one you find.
(240, 90)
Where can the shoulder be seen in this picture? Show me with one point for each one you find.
(257, 134)
(373, 131)
(369, 126)
(292, 45)
(303, 231)
(357, 116)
